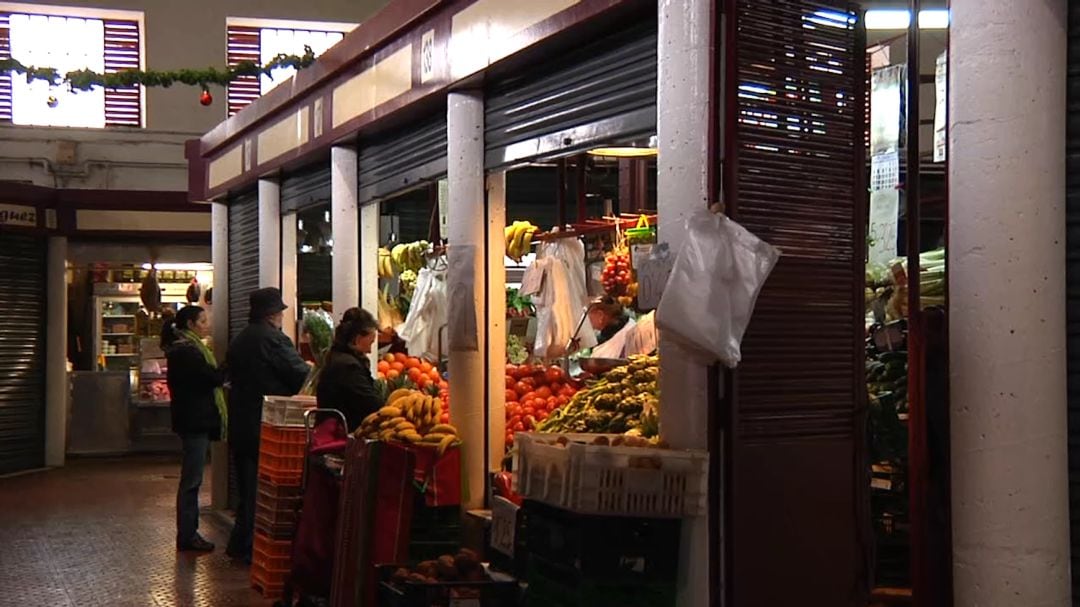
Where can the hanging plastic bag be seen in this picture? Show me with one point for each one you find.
(427, 314)
(714, 285)
(571, 251)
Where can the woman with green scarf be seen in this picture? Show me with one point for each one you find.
(199, 414)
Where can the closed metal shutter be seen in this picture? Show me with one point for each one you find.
(1072, 182)
(305, 188)
(796, 435)
(602, 93)
(243, 258)
(403, 158)
(22, 352)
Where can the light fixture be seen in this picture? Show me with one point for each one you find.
(205, 267)
(899, 19)
(627, 151)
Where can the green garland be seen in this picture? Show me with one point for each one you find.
(84, 80)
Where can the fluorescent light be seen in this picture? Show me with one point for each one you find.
(899, 19)
(623, 152)
(180, 266)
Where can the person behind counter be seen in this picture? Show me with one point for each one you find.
(346, 383)
(262, 362)
(198, 413)
(610, 319)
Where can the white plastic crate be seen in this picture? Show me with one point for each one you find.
(286, 411)
(621, 481)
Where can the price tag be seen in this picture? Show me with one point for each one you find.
(652, 276)
(503, 525)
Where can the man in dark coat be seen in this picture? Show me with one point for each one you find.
(262, 361)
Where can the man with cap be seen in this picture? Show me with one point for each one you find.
(262, 361)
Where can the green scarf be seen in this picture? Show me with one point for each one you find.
(219, 394)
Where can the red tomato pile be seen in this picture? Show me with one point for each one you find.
(532, 393)
(616, 276)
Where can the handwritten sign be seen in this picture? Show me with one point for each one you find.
(503, 525)
(18, 215)
(884, 225)
(652, 275)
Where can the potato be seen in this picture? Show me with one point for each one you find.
(618, 441)
(400, 575)
(447, 567)
(601, 441)
(428, 569)
(562, 441)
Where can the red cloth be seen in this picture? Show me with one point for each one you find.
(439, 478)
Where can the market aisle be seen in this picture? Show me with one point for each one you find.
(101, 532)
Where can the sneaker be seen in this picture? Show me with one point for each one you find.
(197, 544)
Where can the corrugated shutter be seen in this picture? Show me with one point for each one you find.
(22, 352)
(1073, 282)
(243, 258)
(795, 487)
(402, 158)
(5, 77)
(123, 106)
(305, 188)
(603, 92)
(243, 44)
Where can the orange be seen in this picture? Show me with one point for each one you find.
(401, 358)
(434, 375)
(414, 374)
(399, 367)
(412, 363)
(425, 366)
(389, 358)
(383, 366)
(393, 374)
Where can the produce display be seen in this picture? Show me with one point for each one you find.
(519, 239)
(408, 283)
(411, 416)
(390, 314)
(881, 283)
(518, 305)
(319, 328)
(617, 277)
(386, 264)
(408, 256)
(464, 566)
(516, 353)
(625, 400)
(419, 372)
(533, 394)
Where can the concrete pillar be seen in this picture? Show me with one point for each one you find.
(288, 275)
(683, 164)
(1006, 266)
(269, 233)
(496, 321)
(219, 256)
(369, 263)
(467, 239)
(56, 376)
(344, 216)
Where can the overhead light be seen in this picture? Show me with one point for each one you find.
(899, 19)
(642, 149)
(196, 267)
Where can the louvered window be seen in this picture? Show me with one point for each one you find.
(69, 43)
(260, 45)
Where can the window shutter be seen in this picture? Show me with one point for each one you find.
(5, 78)
(244, 44)
(123, 105)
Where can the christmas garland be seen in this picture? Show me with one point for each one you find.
(84, 80)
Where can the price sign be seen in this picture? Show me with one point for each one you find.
(652, 276)
(503, 525)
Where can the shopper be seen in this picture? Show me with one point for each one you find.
(611, 320)
(198, 410)
(262, 362)
(345, 383)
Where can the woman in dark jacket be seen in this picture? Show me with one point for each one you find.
(345, 382)
(198, 413)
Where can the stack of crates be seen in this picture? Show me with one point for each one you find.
(282, 447)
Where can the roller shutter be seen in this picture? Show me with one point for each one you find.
(22, 352)
(401, 159)
(305, 188)
(243, 258)
(602, 93)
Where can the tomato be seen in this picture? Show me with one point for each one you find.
(527, 397)
(528, 410)
(522, 388)
(511, 396)
(510, 382)
(529, 421)
(444, 418)
(519, 427)
(554, 375)
(561, 400)
(541, 416)
(543, 392)
(513, 420)
(513, 409)
(568, 391)
(528, 381)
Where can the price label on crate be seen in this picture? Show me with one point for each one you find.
(503, 525)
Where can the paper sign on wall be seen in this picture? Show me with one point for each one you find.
(652, 276)
(884, 216)
(461, 279)
(941, 84)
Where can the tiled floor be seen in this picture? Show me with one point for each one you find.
(102, 532)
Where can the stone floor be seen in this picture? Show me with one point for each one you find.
(102, 532)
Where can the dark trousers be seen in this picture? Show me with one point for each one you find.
(247, 479)
(191, 477)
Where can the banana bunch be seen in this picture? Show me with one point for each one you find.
(410, 256)
(386, 264)
(519, 239)
(412, 417)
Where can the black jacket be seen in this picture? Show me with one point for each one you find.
(262, 362)
(345, 384)
(191, 383)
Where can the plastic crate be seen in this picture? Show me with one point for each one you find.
(613, 481)
(272, 555)
(603, 548)
(500, 591)
(283, 441)
(277, 517)
(549, 586)
(270, 584)
(280, 470)
(277, 492)
(286, 411)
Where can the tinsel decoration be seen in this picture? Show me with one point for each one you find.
(84, 80)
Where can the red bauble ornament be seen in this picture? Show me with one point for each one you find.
(206, 98)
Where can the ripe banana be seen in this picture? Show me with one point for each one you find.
(519, 239)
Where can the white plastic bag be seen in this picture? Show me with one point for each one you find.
(427, 314)
(714, 285)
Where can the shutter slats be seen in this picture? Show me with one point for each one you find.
(402, 159)
(243, 44)
(305, 188)
(5, 78)
(123, 105)
(243, 258)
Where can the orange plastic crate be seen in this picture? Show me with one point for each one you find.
(270, 584)
(272, 555)
(280, 470)
(280, 440)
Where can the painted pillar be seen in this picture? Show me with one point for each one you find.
(467, 238)
(288, 275)
(56, 376)
(219, 247)
(369, 263)
(496, 318)
(684, 56)
(269, 233)
(1006, 266)
(344, 216)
